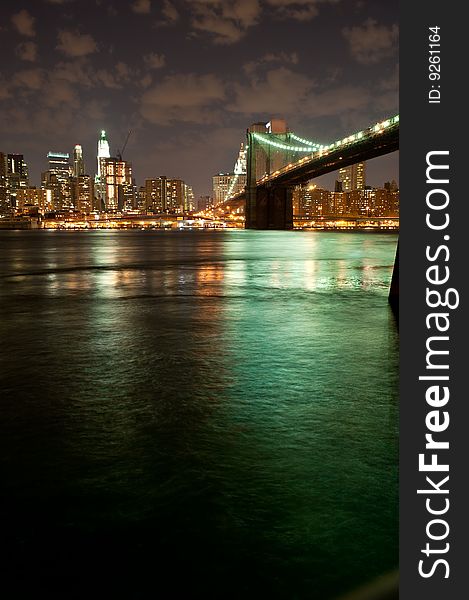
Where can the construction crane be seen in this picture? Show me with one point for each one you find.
(119, 152)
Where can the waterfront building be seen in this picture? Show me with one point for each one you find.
(310, 200)
(16, 178)
(57, 180)
(164, 195)
(5, 207)
(141, 203)
(32, 196)
(337, 203)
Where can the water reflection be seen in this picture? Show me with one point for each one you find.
(223, 401)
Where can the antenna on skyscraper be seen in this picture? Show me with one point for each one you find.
(120, 153)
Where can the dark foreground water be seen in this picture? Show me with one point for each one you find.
(211, 411)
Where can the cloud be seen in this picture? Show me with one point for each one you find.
(31, 79)
(27, 51)
(226, 20)
(269, 58)
(141, 7)
(371, 43)
(387, 96)
(60, 92)
(184, 98)
(75, 44)
(155, 61)
(24, 23)
(169, 12)
(146, 81)
(279, 91)
(4, 89)
(299, 10)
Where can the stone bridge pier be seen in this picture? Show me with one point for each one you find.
(269, 207)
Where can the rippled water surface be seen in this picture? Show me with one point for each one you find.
(213, 411)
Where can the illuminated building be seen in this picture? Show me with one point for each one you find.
(204, 203)
(4, 199)
(163, 195)
(310, 200)
(27, 197)
(78, 163)
(352, 202)
(57, 179)
(100, 185)
(353, 177)
(220, 185)
(189, 203)
(114, 187)
(141, 199)
(83, 193)
(338, 206)
(226, 185)
(386, 202)
(103, 150)
(116, 179)
(391, 186)
(16, 177)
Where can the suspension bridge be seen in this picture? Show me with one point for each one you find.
(278, 159)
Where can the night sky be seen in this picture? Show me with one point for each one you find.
(189, 76)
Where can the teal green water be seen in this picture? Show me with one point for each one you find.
(216, 411)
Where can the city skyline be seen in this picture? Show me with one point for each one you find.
(189, 78)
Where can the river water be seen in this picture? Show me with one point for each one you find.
(214, 411)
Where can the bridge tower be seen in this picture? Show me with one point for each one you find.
(268, 207)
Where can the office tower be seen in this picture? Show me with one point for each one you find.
(4, 200)
(220, 186)
(352, 177)
(116, 180)
(83, 193)
(141, 199)
(226, 185)
(31, 196)
(57, 179)
(78, 163)
(100, 185)
(103, 150)
(189, 202)
(311, 201)
(164, 195)
(16, 177)
(155, 194)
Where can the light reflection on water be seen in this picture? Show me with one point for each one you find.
(220, 401)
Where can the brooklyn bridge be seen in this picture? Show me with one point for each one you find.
(278, 160)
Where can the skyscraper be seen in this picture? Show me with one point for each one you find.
(163, 195)
(57, 179)
(116, 179)
(353, 177)
(78, 163)
(100, 184)
(225, 185)
(103, 150)
(4, 204)
(16, 177)
(83, 193)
